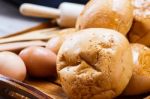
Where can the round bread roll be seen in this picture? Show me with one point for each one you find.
(140, 31)
(140, 80)
(94, 63)
(55, 43)
(112, 14)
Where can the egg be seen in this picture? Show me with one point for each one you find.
(54, 44)
(40, 62)
(11, 65)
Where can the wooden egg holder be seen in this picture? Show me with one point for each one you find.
(34, 88)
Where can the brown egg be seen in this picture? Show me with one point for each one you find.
(12, 66)
(54, 44)
(40, 62)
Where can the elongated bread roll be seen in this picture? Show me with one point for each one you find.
(140, 81)
(94, 64)
(113, 14)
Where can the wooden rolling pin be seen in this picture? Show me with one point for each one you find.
(65, 15)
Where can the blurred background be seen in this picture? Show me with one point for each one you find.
(51, 3)
(12, 21)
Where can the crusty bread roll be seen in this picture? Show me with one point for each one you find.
(140, 31)
(113, 14)
(55, 43)
(140, 80)
(94, 63)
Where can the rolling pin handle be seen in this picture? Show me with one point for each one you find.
(33, 10)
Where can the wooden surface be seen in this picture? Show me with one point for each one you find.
(50, 88)
(16, 47)
(43, 34)
(38, 89)
(56, 92)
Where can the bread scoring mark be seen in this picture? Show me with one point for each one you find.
(87, 62)
(86, 84)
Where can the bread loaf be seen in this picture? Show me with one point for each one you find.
(94, 64)
(140, 31)
(140, 80)
(112, 14)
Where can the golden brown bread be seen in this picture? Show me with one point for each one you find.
(140, 81)
(113, 14)
(140, 31)
(94, 63)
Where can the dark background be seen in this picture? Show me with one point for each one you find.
(51, 3)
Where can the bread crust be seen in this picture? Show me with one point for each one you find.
(112, 14)
(140, 80)
(140, 30)
(94, 64)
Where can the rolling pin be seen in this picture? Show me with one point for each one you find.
(65, 15)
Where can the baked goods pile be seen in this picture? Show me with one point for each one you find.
(99, 61)
(106, 55)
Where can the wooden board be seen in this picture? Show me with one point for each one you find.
(16, 47)
(38, 89)
(55, 91)
(43, 34)
(51, 88)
